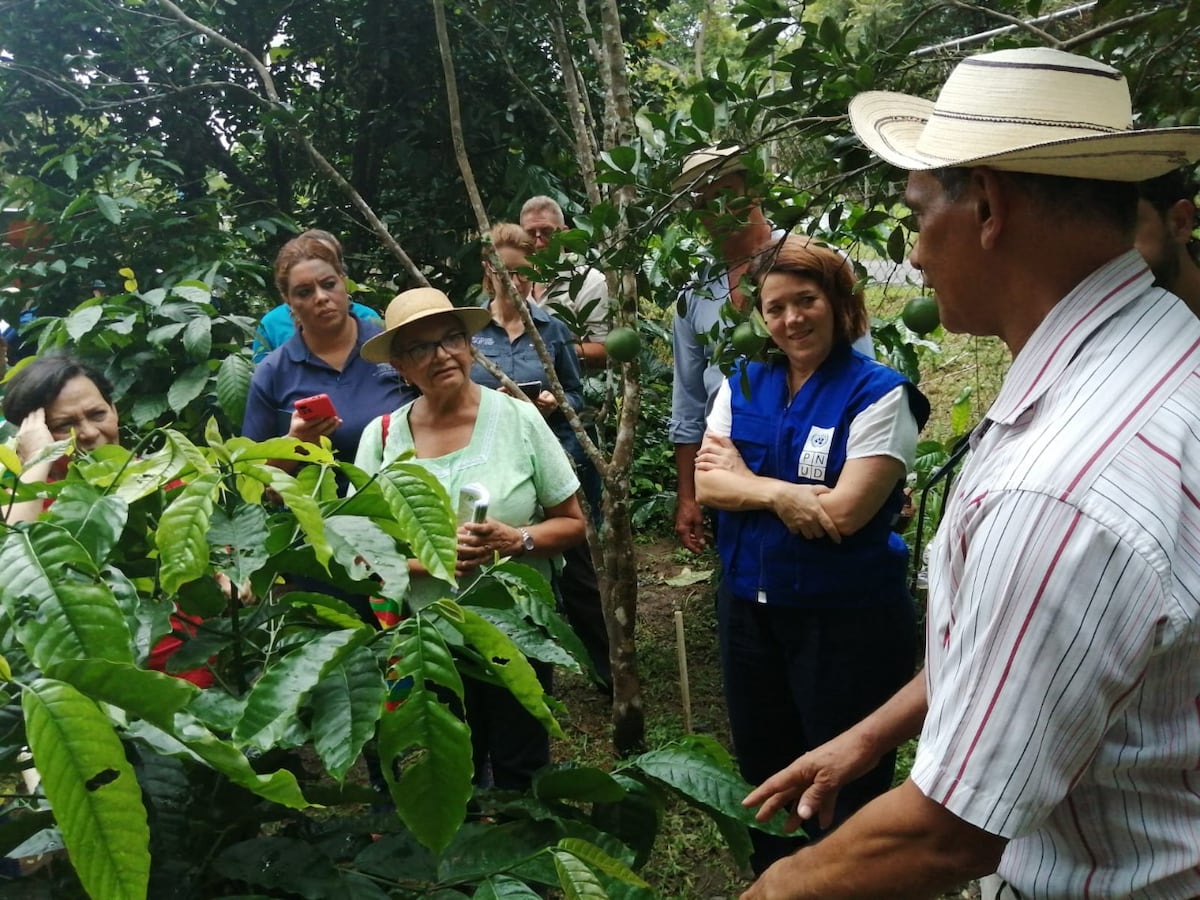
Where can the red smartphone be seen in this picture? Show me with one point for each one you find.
(318, 406)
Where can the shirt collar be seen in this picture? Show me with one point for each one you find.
(1068, 326)
(297, 351)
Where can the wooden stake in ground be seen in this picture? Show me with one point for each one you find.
(685, 691)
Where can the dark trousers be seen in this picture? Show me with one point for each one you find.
(579, 593)
(795, 678)
(507, 743)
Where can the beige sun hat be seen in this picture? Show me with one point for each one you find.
(1033, 110)
(707, 165)
(412, 306)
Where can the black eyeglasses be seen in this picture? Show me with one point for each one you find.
(455, 342)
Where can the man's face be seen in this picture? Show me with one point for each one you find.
(540, 225)
(946, 252)
(723, 204)
(1156, 242)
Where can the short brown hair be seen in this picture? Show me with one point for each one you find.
(301, 249)
(802, 255)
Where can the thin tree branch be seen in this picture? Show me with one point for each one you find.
(322, 164)
(481, 217)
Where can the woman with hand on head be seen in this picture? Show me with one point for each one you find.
(52, 399)
(57, 397)
(806, 465)
(322, 357)
(464, 433)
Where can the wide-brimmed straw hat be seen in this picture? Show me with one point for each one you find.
(1032, 110)
(708, 165)
(412, 306)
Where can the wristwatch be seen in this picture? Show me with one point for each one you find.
(526, 539)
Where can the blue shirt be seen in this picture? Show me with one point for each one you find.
(360, 392)
(519, 361)
(277, 327)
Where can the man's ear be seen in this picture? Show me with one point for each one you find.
(991, 199)
(1181, 221)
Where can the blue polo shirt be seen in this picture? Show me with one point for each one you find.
(360, 392)
(519, 361)
(277, 327)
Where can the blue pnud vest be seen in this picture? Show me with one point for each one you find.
(804, 442)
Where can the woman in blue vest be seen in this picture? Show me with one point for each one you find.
(804, 458)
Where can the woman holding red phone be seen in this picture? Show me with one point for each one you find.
(323, 357)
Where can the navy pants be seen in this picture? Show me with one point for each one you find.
(795, 678)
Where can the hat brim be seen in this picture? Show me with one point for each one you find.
(709, 170)
(379, 348)
(891, 125)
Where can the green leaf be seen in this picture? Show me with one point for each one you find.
(154, 471)
(503, 887)
(703, 781)
(364, 549)
(91, 788)
(425, 748)
(94, 519)
(59, 605)
(503, 659)
(302, 504)
(422, 508)
(897, 245)
(108, 208)
(282, 865)
(325, 608)
(189, 738)
(82, 321)
(153, 696)
(238, 543)
(534, 598)
(9, 461)
(70, 165)
(147, 409)
(182, 532)
(245, 450)
(275, 697)
(233, 386)
(598, 860)
(576, 879)
(197, 337)
(346, 704)
(187, 386)
(580, 783)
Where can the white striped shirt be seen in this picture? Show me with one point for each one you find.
(1063, 666)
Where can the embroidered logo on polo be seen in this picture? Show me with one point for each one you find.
(814, 458)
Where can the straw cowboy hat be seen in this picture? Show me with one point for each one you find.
(1032, 110)
(412, 306)
(707, 165)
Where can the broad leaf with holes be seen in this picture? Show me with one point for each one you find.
(91, 787)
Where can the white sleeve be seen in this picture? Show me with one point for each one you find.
(885, 428)
(865, 344)
(720, 417)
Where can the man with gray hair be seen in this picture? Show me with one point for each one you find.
(1057, 712)
(580, 290)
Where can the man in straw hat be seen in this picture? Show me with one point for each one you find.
(1057, 713)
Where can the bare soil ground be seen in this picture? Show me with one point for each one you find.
(690, 860)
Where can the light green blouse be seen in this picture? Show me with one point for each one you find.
(512, 452)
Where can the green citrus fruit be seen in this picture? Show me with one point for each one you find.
(746, 340)
(920, 314)
(623, 344)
